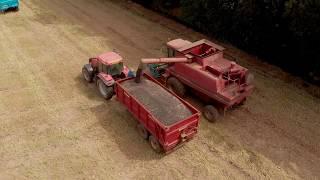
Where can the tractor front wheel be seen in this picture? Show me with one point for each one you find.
(211, 113)
(176, 86)
(105, 91)
(87, 75)
(156, 146)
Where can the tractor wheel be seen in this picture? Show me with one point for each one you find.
(143, 132)
(155, 144)
(105, 91)
(176, 86)
(211, 113)
(87, 75)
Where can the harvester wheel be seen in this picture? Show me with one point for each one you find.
(143, 132)
(155, 144)
(243, 102)
(176, 86)
(211, 113)
(87, 75)
(105, 91)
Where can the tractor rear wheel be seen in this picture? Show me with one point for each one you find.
(156, 146)
(211, 113)
(87, 75)
(143, 132)
(176, 86)
(105, 91)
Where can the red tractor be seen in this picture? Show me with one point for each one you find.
(104, 70)
(220, 82)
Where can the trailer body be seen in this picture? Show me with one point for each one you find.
(169, 136)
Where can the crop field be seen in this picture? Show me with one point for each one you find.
(53, 125)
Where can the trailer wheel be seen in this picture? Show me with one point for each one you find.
(105, 91)
(211, 113)
(155, 144)
(176, 86)
(143, 132)
(87, 75)
(243, 102)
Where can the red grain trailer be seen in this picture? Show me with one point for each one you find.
(166, 120)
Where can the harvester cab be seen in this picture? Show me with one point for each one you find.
(105, 69)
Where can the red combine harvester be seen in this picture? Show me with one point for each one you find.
(202, 68)
(105, 69)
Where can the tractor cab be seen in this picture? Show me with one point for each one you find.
(111, 63)
(105, 69)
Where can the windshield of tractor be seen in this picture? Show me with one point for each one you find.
(115, 69)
